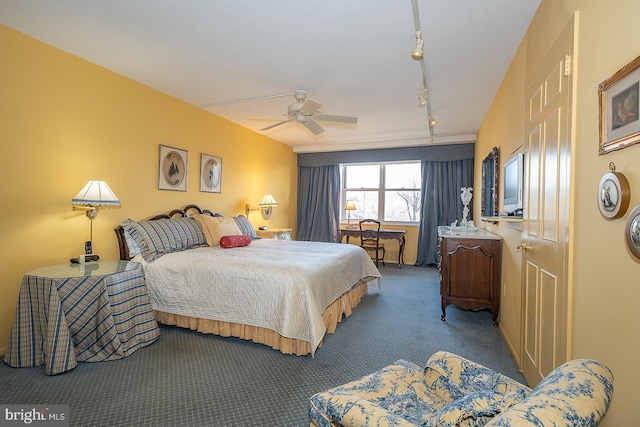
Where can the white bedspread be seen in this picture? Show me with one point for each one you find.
(280, 285)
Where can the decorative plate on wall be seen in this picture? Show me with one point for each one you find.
(613, 194)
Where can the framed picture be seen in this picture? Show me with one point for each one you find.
(613, 194)
(619, 99)
(210, 173)
(632, 232)
(172, 171)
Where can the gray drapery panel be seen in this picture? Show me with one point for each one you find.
(441, 203)
(318, 203)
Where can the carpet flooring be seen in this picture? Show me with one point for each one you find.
(191, 379)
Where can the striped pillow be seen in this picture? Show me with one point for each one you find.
(245, 226)
(162, 236)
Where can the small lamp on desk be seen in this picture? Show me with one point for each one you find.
(350, 206)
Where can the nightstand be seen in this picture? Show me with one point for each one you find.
(275, 233)
(69, 313)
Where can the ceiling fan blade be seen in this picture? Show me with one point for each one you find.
(340, 119)
(310, 106)
(277, 124)
(315, 128)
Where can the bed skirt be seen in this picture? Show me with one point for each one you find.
(331, 317)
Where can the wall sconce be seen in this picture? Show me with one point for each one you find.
(266, 206)
(94, 194)
(350, 206)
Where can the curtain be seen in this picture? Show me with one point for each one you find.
(441, 203)
(318, 203)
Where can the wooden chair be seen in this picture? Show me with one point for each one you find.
(370, 239)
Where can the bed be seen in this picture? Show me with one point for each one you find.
(284, 294)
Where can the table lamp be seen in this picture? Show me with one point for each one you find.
(93, 195)
(350, 206)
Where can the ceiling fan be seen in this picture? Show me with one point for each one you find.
(304, 111)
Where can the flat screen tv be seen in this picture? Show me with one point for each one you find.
(513, 184)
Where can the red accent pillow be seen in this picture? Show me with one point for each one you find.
(235, 241)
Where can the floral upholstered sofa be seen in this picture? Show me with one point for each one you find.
(454, 391)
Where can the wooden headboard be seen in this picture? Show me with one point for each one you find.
(179, 213)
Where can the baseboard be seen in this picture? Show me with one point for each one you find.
(510, 346)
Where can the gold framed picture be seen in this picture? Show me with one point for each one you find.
(172, 170)
(619, 102)
(210, 173)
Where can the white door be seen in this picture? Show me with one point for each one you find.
(546, 222)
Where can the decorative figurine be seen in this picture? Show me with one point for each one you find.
(465, 195)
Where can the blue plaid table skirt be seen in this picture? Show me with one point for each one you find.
(60, 321)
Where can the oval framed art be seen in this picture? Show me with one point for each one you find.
(613, 194)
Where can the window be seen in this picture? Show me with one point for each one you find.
(388, 192)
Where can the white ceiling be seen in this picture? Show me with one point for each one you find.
(353, 56)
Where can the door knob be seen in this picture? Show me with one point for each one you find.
(524, 246)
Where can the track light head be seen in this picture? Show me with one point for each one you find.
(417, 53)
(422, 98)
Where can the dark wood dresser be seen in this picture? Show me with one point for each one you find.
(470, 265)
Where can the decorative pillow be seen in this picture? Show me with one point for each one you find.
(234, 241)
(475, 409)
(215, 228)
(245, 226)
(162, 236)
(134, 249)
(455, 377)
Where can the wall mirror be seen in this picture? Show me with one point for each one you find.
(490, 179)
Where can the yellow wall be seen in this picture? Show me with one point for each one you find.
(505, 131)
(604, 285)
(64, 121)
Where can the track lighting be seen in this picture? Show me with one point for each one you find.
(417, 52)
(422, 98)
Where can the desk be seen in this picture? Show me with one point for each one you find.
(385, 233)
(69, 313)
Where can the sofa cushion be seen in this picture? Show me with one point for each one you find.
(397, 393)
(577, 393)
(454, 377)
(475, 409)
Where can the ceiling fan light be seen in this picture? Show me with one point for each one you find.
(300, 95)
